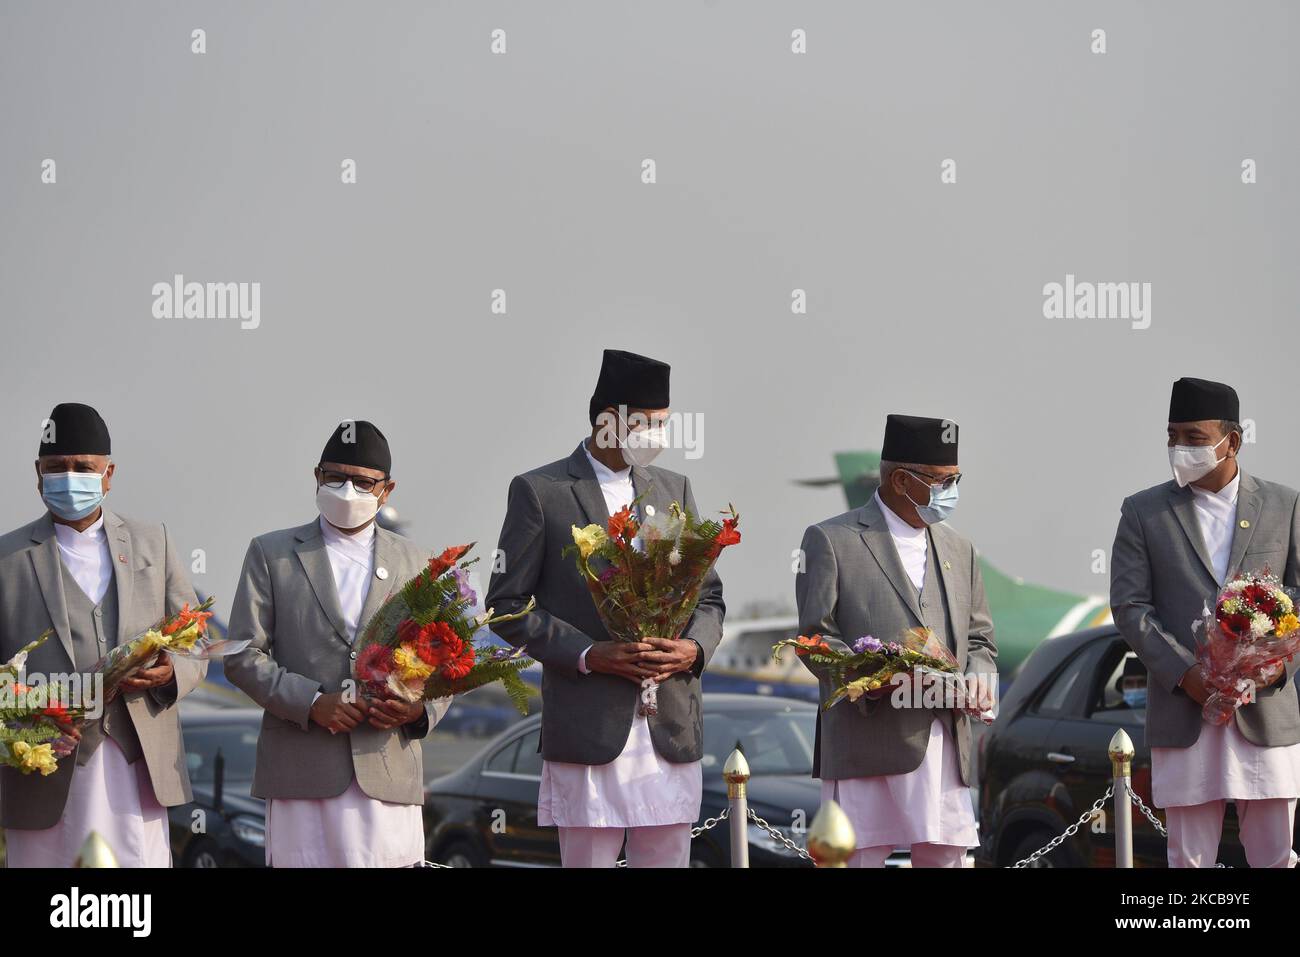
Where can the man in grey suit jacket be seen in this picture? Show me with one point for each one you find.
(595, 747)
(900, 771)
(1176, 545)
(342, 776)
(97, 579)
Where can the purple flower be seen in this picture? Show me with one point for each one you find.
(462, 585)
(865, 644)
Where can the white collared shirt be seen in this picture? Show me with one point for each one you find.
(352, 559)
(619, 493)
(911, 543)
(86, 557)
(1216, 514)
(615, 486)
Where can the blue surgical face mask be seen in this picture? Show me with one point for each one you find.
(1135, 697)
(72, 495)
(942, 502)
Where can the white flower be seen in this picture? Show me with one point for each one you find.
(1260, 625)
(675, 557)
(1237, 584)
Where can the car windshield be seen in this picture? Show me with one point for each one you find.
(774, 741)
(238, 746)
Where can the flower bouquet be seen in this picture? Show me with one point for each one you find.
(31, 738)
(871, 666)
(645, 578)
(1246, 641)
(183, 635)
(419, 644)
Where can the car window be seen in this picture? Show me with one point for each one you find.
(774, 741)
(503, 761)
(528, 760)
(1108, 697)
(238, 746)
(1066, 693)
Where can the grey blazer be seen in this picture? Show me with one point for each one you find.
(288, 607)
(1161, 576)
(151, 584)
(586, 718)
(855, 585)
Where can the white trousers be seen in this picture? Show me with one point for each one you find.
(1265, 828)
(110, 797)
(665, 845)
(923, 855)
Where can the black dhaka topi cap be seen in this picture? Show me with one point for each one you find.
(626, 378)
(74, 429)
(920, 441)
(1193, 400)
(358, 442)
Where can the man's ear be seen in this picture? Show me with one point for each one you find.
(108, 475)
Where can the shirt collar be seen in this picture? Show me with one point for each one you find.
(1228, 493)
(69, 536)
(897, 527)
(361, 541)
(604, 474)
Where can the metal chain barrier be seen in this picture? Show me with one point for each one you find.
(1070, 831)
(697, 831)
(777, 836)
(1150, 815)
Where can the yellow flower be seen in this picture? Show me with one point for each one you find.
(39, 757)
(409, 664)
(1287, 624)
(1283, 600)
(589, 539)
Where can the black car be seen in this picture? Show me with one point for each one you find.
(485, 813)
(1044, 761)
(225, 826)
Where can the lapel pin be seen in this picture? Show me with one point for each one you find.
(947, 565)
(1245, 523)
(122, 559)
(381, 573)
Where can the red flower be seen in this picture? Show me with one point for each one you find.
(621, 523)
(374, 663)
(184, 618)
(438, 642)
(408, 631)
(448, 558)
(460, 665)
(809, 645)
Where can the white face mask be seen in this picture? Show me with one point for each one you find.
(640, 446)
(346, 507)
(1191, 462)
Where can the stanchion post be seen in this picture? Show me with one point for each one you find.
(1121, 765)
(831, 840)
(736, 773)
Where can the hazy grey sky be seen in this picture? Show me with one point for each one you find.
(522, 172)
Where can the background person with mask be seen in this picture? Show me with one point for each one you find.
(901, 774)
(606, 769)
(1177, 544)
(342, 777)
(98, 579)
(1133, 684)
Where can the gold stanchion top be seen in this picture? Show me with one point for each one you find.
(831, 840)
(1121, 752)
(95, 852)
(736, 770)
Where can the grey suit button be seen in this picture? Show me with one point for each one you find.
(99, 613)
(650, 510)
(353, 656)
(923, 604)
(381, 573)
